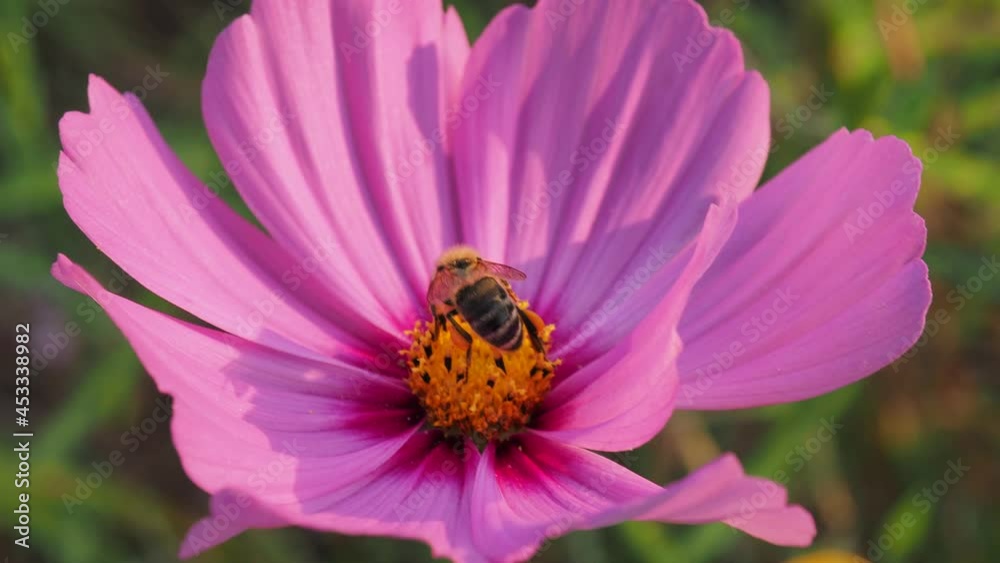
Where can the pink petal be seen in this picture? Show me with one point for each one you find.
(336, 99)
(421, 493)
(232, 513)
(624, 397)
(314, 444)
(808, 295)
(722, 492)
(138, 203)
(531, 490)
(539, 85)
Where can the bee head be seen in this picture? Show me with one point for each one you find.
(458, 260)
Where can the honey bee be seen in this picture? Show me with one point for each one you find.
(480, 292)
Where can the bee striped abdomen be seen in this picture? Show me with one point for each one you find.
(492, 314)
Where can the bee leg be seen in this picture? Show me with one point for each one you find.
(458, 328)
(438, 323)
(529, 325)
(464, 334)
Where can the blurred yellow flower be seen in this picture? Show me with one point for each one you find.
(828, 556)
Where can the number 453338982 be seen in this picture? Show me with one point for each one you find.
(22, 371)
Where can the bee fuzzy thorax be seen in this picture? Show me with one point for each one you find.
(456, 254)
(471, 388)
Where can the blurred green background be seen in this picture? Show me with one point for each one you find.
(922, 70)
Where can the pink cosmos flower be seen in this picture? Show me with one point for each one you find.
(609, 150)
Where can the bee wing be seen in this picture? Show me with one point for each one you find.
(440, 288)
(502, 271)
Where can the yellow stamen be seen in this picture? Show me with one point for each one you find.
(492, 396)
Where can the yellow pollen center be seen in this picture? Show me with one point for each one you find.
(485, 393)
